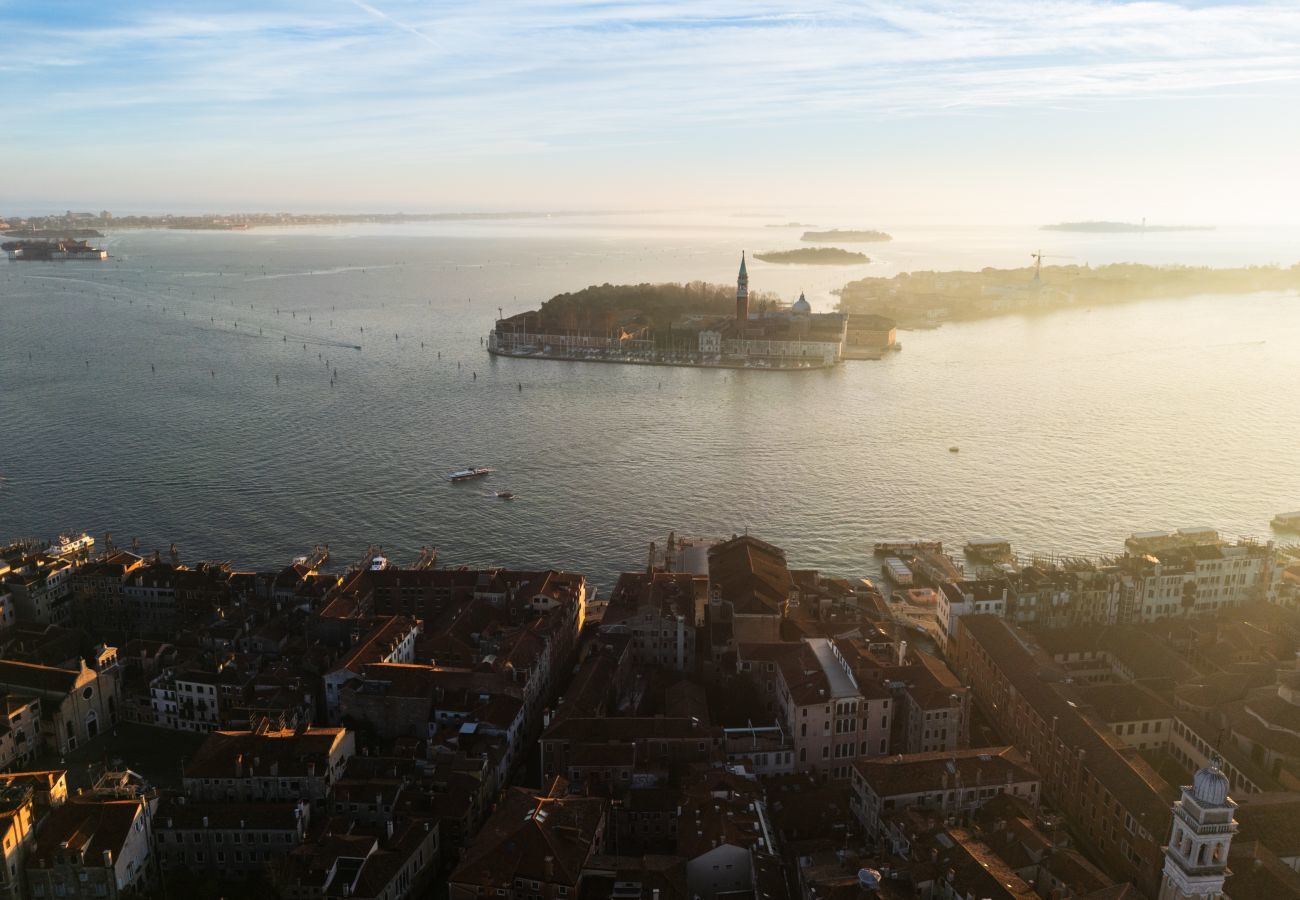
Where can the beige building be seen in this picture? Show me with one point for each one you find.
(264, 765)
(93, 849)
(77, 705)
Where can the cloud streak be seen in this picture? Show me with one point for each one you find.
(415, 81)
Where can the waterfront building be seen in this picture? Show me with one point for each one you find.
(41, 589)
(659, 611)
(750, 587)
(1197, 579)
(97, 591)
(967, 598)
(149, 599)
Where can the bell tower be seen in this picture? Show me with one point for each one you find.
(1196, 860)
(742, 295)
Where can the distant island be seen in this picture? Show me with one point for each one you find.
(846, 236)
(52, 233)
(1121, 227)
(815, 256)
(927, 299)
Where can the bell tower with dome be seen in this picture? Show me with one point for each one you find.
(1196, 860)
(742, 296)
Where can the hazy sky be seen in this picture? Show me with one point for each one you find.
(910, 111)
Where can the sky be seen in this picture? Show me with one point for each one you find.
(911, 111)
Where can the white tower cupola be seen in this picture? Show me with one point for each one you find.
(1196, 860)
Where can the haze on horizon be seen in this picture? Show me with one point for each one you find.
(906, 111)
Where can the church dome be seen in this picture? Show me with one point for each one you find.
(801, 307)
(1210, 785)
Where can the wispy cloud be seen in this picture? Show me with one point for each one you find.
(409, 29)
(414, 80)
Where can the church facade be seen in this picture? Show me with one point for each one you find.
(782, 337)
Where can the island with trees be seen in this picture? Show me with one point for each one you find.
(1121, 227)
(815, 256)
(927, 299)
(846, 236)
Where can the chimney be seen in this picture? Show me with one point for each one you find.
(108, 858)
(550, 867)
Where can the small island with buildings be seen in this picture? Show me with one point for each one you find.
(689, 325)
(815, 256)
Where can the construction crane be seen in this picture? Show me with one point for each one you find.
(1038, 261)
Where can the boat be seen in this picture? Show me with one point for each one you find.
(989, 550)
(1287, 521)
(893, 548)
(954, 449)
(469, 472)
(63, 248)
(378, 563)
(67, 545)
(505, 495)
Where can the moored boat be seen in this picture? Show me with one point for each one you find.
(1287, 521)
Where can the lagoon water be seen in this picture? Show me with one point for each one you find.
(181, 392)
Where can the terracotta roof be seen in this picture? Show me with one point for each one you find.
(90, 827)
(751, 575)
(37, 677)
(916, 773)
(290, 751)
(546, 838)
(1142, 792)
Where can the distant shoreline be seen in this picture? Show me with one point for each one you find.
(928, 299)
(807, 367)
(1121, 227)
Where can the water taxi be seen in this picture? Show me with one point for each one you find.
(468, 473)
(1287, 521)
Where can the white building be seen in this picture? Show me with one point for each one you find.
(830, 717)
(967, 598)
(1196, 859)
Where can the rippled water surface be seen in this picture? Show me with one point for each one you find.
(131, 401)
